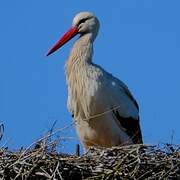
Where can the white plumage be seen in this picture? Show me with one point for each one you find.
(105, 112)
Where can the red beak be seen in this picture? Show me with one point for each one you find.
(65, 38)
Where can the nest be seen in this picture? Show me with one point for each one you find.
(127, 162)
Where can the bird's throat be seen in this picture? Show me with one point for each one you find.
(80, 56)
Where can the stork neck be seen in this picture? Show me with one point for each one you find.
(82, 50)
(81, 56)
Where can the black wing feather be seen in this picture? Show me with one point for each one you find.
(131, 126)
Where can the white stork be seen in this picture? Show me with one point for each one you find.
(105, 112)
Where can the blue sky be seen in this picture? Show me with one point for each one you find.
(139, 42)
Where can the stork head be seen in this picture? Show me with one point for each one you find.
(83, 23)
(86, 22)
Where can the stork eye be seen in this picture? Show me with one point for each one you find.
(82, 20)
